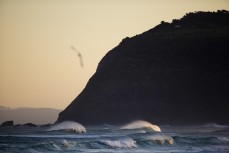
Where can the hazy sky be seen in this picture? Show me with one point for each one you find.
(38, 67)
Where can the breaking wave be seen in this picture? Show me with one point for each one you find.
(101, 139)
(141, 124)
(68, 126)
(159, 139)
(122, 143)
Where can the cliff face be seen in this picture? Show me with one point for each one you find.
(175, 73)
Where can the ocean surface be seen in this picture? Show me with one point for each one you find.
(211, 138)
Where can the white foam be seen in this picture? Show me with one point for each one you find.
(224, 139)
(142, 131)
(160, 139)
(50, 145)
(68, 126)
(142, 124)
(122, 143)
(65, 143)
(56, 147)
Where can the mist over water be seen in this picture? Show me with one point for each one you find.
(70, 136)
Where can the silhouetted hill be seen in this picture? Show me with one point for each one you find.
(175, 73)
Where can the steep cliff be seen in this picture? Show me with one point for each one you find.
(175, 73)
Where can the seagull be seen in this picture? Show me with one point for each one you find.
(79, 55)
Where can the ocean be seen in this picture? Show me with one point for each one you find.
(209, 138)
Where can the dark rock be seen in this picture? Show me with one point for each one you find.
(29, 125)
(18, 125)
(7, 123)
(175, 73)
(46, 125)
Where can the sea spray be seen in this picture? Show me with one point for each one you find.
(141, 124)
(68, 126)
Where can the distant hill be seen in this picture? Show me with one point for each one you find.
(32, 115)
(175, 73)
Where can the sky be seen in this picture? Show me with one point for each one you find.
(39, 69)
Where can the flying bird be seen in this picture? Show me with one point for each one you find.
(79, 55)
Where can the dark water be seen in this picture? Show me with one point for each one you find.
(191, 139)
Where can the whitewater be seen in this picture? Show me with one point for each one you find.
(138, 136)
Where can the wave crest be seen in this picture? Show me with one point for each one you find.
(141, 124)
(122, 143)
(214, 125)
(160, 139)
(68, 126)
